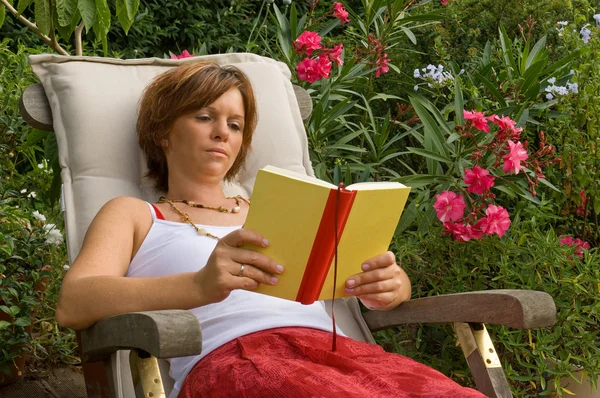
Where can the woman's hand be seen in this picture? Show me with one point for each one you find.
(382, 285)
(230, 267)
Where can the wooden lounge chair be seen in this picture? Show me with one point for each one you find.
(91, 105)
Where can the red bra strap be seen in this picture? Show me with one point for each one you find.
(158, 213)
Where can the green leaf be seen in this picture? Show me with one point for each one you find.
(126, 11)
(102, 24)
(66, 31)
(87, 9)
(4, 325)
(24, 321)
(329, 27)
(22, 5)
(420, 180)
(293, 22)
(283, 33)
(429, 154)
(409, 34)
(549, 184)
(532, 75)
(492, 87)
(432, 132)
(537, 52)
(459, 103)
(65, 9)
(507, 53)
(2, 15)
(43, 16)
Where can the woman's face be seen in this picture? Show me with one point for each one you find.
(208, 141)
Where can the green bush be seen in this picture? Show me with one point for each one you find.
(32, 252)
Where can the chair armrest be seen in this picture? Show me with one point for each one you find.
(520, 309)
(162, 334)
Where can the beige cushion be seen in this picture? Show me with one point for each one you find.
(94, 109)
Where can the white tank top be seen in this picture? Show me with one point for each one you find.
(173, 247)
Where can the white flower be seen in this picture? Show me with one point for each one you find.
(563, 23)
(417, 73)
(573, 87)
(66, 267)
(40, 165)
(23, 190)
(562, 90)
(549, 97)
(416, 87)
(572, 72)
(552, 80)
(586, 34)
(31, 194)
(39, 216)
(597, 18)
(53, 235)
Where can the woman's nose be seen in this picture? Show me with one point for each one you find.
(221, 130)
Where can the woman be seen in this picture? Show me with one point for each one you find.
(195, 127)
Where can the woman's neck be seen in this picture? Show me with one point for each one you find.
(207, 192)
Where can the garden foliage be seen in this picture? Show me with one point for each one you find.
(492, 121)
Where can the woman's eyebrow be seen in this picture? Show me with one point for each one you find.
(236, 115)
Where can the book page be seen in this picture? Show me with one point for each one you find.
(369, 231)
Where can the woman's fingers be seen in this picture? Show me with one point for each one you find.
(256, 259)
(243, 236)
(250, 272)
(379, 286)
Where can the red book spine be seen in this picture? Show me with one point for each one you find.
(322, 251)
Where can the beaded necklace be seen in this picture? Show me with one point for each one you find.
(186, 218)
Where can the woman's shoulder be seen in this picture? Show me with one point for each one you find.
(127, 204)
(126, 209)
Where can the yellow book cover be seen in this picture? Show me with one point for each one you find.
(297, 214)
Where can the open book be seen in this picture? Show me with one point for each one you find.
(296, 213)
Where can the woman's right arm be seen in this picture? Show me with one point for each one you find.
(95, 286)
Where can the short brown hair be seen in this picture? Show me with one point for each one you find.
(180, 91)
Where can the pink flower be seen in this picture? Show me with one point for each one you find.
(497, 221)
(462, 232)
(512, 161)
(449, 206)
(506, 124)
(478, 180)
(340, 13)
(336, 53)
(184, 54)
(323, 66)
(444, 2)
(477, 119)
(308, 70)
(382, 65)
(503, 122)
(307, 42)
(578, 243)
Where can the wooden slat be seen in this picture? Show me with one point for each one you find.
(304, 102)
(36, 112)
(162, 334)
(520, 309)
(482, 360)
(35, 109)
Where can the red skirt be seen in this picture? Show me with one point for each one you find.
(298, 362)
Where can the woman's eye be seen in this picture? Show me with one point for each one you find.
(203, 118)
(235, 127)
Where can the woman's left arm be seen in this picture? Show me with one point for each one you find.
(382, 285)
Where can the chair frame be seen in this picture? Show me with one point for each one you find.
(175, 333)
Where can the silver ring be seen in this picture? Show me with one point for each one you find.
(241, 273)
